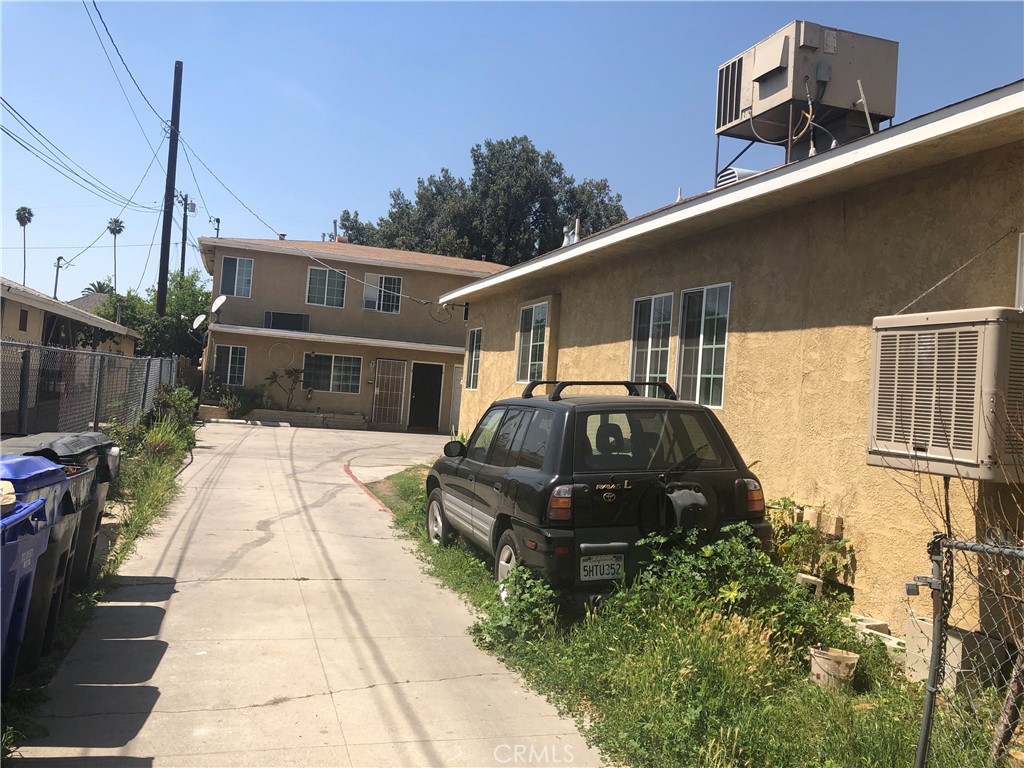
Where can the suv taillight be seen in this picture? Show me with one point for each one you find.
(560, 503)
(755, 497)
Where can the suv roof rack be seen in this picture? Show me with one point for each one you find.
(632, 387)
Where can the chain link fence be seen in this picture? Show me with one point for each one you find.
(975, 652)
(48, 389)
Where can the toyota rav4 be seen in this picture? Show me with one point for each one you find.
(569, 485)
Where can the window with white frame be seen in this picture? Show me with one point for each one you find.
(476, 337)
(332, 373)
(703, 328)
(382, 293)
(533, 322)
(236, 277)
(652, 330)
(326, 287)
(229, 364)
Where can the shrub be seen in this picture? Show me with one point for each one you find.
(801, 546)
(166, 439)
(524, 610)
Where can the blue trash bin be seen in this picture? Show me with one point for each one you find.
(35, 477)
(87, 449)
(24, 534)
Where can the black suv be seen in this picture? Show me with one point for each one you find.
(567, 485)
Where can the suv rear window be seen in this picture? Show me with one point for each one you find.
(625, 440)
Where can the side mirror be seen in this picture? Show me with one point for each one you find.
(454, 449)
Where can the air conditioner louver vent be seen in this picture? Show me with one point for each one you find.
(730, 78)
(947, 394)
(1014, 434)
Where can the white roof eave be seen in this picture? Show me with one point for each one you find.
(968, 115)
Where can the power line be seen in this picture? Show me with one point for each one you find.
(144, 175)
(215, 176)
(70, 174)
(150, 253)
(119, 84)
(124, 63)
(193, 172)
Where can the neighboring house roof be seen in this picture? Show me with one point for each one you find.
(359, 254)
(331, 338)
(90, 302)
(983, 122)
(32, 298)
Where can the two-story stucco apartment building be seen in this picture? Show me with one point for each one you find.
(363, 324)
(757, 300)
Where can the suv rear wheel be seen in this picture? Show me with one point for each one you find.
(439, 530)
(506, 558)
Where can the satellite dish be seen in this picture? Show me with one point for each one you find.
(219, 302)
(198, 321)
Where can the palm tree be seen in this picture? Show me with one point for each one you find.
(24, 217)
(115, 227)
(98, 286)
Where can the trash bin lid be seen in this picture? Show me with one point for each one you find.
(31, 472)
(76, 446)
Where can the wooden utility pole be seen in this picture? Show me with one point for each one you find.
(172, 162)
(56, 276)
(184, 230)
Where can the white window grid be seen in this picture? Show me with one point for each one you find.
(344, 373)
(533, 322)
(326, 287)
(476, 336)
(652, 334)
(241, 287)
(382, 293)
(703, 330)
(235, 363)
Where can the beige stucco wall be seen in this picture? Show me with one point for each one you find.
(261, 360)
(806, 283)
(12, 317)
(279, 284)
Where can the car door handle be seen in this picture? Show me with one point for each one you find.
(497, 486)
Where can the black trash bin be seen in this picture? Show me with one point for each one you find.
(35, 477)
(85, 449)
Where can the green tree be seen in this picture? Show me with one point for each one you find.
(188, 296)
(24, 216)
(514, 207)
(115, 227)
(98, 286)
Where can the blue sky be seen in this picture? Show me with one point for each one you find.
(303, 109)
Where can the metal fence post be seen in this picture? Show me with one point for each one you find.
(935, 669)
(145, 388)
(97, 412)
(26, 369)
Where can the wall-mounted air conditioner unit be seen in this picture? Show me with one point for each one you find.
(766, 87)
(947, 394)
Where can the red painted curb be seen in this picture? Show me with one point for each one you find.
(367, 491)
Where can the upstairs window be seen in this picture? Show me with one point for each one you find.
(236, 277)
(382, 293)
(533, 323)
(326, 287)
(476, 337)
(652, 329)
(703, 328)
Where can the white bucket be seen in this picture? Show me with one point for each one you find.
(832, 668)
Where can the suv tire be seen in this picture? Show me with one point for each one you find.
(506, 557)
(439, 530)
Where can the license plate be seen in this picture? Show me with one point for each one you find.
(601, 567)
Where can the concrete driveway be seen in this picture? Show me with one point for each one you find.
(273, 619)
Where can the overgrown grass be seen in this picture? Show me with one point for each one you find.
(146, 486)
(701, 662)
